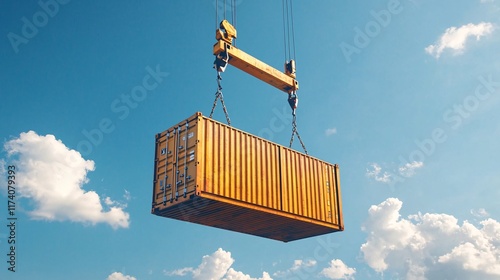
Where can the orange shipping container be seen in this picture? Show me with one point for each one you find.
(212, 174)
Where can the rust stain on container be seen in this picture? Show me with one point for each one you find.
(212, 174)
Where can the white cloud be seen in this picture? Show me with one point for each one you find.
(298, 268)
(330, 131)
(338, 270)
(52, 176)
(238, 275)
(455, 38)
(3, 174)
(127, 196)
(480, 213)
(120, 276)
(179, 272)
(307, 268)
(430, 246)
(216, 267)
(112, 203)
(299, 264)
(375, 173)
(108, 201)
(408, 169)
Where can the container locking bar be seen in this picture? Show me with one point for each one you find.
(165, 185)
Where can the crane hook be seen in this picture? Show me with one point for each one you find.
(293, 101)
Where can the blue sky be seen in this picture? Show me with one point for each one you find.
(403, 95)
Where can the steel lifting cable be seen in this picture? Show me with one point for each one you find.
(293, 29)
(235, 22)
(233, 10)
(293, 101)
(294, 131)
(288, 30)
(220, 64)
(284, 29)
(218, 95)
(289, 42)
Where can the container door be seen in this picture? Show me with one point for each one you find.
(175, 169)
(185, 163)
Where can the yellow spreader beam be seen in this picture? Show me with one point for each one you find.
(251, 65)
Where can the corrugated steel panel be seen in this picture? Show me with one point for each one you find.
(212, 174)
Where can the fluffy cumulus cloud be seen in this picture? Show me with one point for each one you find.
(120, 276)
(455, 38)
(238, 275)
(338, 270)
(216, 266)
(430, 246)
(52, 177)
